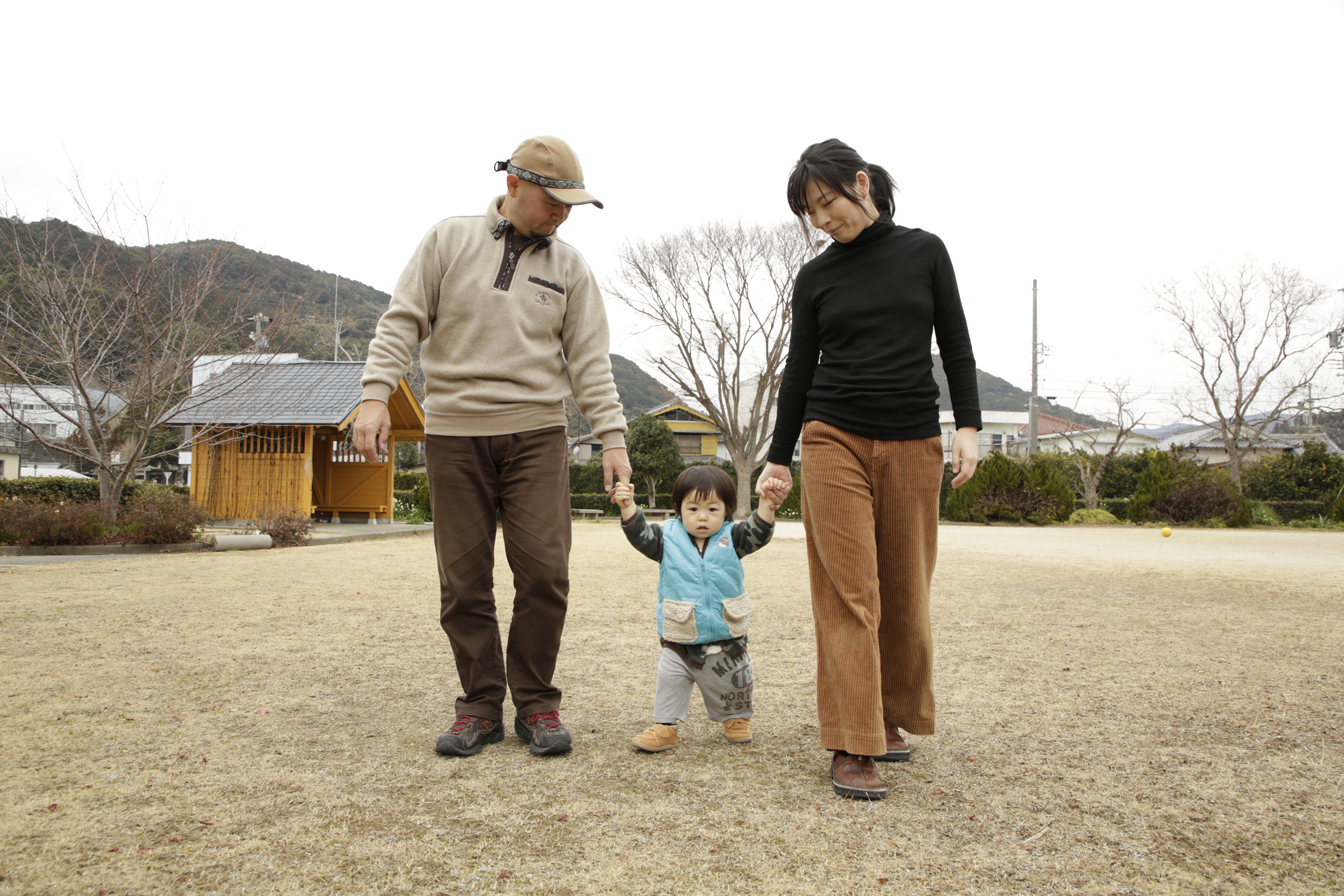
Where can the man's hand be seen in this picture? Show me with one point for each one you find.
(373, 425)
(615, 465)
(965, 455)
(778, 472)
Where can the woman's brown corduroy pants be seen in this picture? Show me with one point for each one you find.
(870, 510)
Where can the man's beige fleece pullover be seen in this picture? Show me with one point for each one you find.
(508, 339)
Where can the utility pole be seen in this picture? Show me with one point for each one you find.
(335, 311)
(1035, 352)
(258, 335)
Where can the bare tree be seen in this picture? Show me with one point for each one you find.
(721, 295)
(1092, 450)
(1255, 340)
(103, 334)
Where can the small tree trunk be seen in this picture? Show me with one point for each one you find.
(745, 487)
(1234, 466)
(653, 491)
(1090, 499)
(109, 496)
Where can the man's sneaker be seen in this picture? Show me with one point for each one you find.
(468, 735)
(544, 734)
(656, 738)
(738, 731)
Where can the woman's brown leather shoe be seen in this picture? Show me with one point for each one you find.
(897, 749)
(856, 778)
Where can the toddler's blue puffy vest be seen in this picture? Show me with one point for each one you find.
(701, 599)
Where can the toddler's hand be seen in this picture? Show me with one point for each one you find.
(776, 492)
(624, 493)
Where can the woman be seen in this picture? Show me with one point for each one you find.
(859, 386)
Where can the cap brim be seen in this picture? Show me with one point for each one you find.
(573, 197)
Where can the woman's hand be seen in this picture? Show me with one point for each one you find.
(965, 455)
(774, 471)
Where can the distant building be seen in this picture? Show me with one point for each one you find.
(1205, 443)
(698, 437)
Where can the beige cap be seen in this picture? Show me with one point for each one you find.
(549, 163)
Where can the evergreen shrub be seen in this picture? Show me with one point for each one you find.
(1012, 491)
(405, 481)
(1092, 518)
(1179, 490)
(1122, 474)
(1117, 507)
(1314, 474)
(1287, 511)
(420, 500)
(1263, 515)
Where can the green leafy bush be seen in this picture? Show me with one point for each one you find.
(1179, 490)
(1093, 518)
(600, 501)
(405, 511)
(1012, 491)
(421, 501)
(586, 478)
(1287, 511)
(159, 518)
(1264, 515)
(1117, 507)
(1314, 474)
(1122, 474)
(404, 481)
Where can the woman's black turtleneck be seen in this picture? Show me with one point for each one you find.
(864, 313)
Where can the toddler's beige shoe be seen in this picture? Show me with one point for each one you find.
(657, 738)
(738, 731)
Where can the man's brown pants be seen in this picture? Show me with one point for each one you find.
(524, 478)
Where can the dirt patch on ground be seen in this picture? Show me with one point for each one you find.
(1118, 714)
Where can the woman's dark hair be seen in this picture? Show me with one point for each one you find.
(705, 481)
(836, 166)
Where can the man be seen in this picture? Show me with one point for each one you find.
(513, 324)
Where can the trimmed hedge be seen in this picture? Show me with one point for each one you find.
(52, 489)
(403, 481)
(598, 501)
(1298, 510)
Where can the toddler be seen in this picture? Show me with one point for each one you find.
(702, 599)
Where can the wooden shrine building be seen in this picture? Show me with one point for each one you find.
(268, 438)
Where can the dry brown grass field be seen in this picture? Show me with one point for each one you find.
(1119, 713)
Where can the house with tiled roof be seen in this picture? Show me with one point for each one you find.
(274, 437)
(697, 434)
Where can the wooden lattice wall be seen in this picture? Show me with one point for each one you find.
(251, 473)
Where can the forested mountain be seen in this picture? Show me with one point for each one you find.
(313, 303)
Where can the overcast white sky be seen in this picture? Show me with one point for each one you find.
(1097, 147)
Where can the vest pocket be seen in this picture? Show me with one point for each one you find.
(679, 622)
(735, 613)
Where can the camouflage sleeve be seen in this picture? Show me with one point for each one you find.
(644, 536)
(752, 535)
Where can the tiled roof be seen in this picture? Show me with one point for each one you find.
(1049, 425)
(305, 393)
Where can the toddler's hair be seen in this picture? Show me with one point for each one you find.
(707, 482)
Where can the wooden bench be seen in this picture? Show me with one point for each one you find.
(659, 513)
(584, 513)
